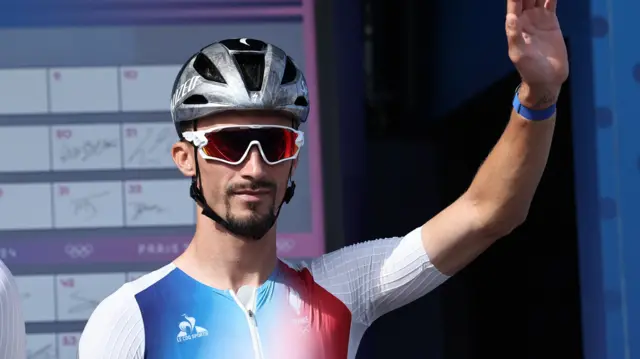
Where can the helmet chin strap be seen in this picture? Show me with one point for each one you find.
(198, 196)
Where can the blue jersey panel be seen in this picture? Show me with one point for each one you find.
(186, 319)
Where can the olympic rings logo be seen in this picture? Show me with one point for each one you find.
(285, 245)
(76, 251)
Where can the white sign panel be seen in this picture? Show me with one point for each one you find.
(148, 145)
(86, 147)
(88, 204)
(159, 203)
(80, 294)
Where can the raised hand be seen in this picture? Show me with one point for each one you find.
(537, 49)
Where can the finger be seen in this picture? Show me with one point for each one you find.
(540, 3)
(514, 7)
(514, 31)
(528, 4)
(551, 5)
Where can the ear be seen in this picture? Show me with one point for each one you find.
(183, 156)
(294, 166)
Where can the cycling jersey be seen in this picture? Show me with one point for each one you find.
(315, 310)
(12, 330)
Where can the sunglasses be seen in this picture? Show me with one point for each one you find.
(232, 144)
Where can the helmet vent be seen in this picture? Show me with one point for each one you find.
(251, 68)
(301, 101)
(196, 100)
(207, 69)
(244, 44)
(290, 72)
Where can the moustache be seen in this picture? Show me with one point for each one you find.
(253, 186)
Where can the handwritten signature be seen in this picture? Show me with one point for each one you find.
(85, 206)
(140, 208)
(87, 150)
(152, 143)
(46, 352)
(86, 304)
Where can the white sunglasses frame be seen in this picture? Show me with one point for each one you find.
(199, 139)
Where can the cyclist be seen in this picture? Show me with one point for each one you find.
(237, 106)
(12, 329)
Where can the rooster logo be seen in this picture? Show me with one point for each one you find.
(189, 330)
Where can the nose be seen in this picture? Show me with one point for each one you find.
(253, 166)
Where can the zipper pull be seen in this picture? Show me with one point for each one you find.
(252, 316)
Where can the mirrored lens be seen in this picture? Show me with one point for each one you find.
(231, 144)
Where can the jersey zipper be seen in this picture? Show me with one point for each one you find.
(255, 335)
(253, 328)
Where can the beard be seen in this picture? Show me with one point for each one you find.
(257, 224)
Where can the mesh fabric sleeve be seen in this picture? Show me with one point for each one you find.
(12, 329)
(375, 277)
(115, 330)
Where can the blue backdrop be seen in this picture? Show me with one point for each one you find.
(610, 248)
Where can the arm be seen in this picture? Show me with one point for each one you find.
(375, 277)
(12, 329)
(115, 329)
(499, 197)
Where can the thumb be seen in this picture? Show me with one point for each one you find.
(514, 31)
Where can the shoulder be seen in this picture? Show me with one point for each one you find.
(12, 328)
(123, 302)
(117, 321)
(7, 281)
(374, 277)
(10, 301)
(371, 255)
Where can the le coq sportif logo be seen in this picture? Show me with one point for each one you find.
(189, 330)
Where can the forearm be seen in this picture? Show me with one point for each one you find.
(498, 198)
(506, 182)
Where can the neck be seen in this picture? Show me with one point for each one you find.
(221, 260)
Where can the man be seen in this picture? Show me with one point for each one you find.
(12, 330)
(237, 106)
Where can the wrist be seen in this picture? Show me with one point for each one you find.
(535, 104)
(538, 97)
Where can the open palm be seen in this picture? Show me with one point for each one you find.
(536, 43)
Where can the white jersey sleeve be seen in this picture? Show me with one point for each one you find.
(12, 330)
(375, 277)
(115, 330)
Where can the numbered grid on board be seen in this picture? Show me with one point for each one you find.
(96, 204)
(87, 147)
(86, 89)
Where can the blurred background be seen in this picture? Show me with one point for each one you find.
(408, 98)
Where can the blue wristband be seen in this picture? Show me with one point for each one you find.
(532, 115)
